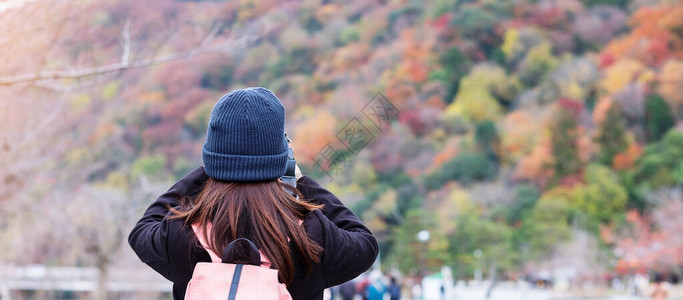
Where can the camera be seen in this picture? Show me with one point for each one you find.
(290, 173)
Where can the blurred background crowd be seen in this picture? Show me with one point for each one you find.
(504, 145)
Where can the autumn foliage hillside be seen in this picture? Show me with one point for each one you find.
(526, 128)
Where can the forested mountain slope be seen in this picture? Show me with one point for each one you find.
(543, 133)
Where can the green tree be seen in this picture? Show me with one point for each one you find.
(603, 197)
(659, 160)
(537, 64)
(473, 22)
(486, 134)
(410, 253)
(612, 136)
(474, 232)
(677, 174)
(466, 167)
(149, 165)
(197, 119)
(672, 146)
(564, 139)
(526, 197)
(652, 171)
(455, 65)
(619, 3)
(547, 226)
(658, 117)
(487, 138)
(481, 93)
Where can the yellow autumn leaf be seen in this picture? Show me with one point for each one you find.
(620, 74)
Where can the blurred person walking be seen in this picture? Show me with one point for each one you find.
(362, 286)
(347, 290)
(376, 287)
(306, 233)
(394, 289)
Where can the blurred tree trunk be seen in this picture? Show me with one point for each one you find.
(101, 292)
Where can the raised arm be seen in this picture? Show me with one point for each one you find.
(149, 237)
(350, 247)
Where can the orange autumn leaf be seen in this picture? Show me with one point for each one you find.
(536, 165)
(671, 82)
(601, 109)
(607, 233)
(627, 159)
(312, 135)
(417, 45)
(326, 12)
(102, 131)
(448, 153)
(653, 36)
(350, 56)
(435, 101)
(400, 93)
(152, 98)
(585, 145)
(417, 71)
(519, 133)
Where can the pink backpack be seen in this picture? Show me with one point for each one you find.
(235, 279)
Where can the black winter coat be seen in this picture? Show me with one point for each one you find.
(172, 249)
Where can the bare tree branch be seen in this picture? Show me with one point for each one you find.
(212, 34)
(126, 42)
(124, 65)
(87, 72)
(63, 88)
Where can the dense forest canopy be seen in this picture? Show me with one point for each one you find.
(542, 133)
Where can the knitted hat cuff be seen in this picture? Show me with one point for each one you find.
(228, 167)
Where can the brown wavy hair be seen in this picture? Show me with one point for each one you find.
(263, 212)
